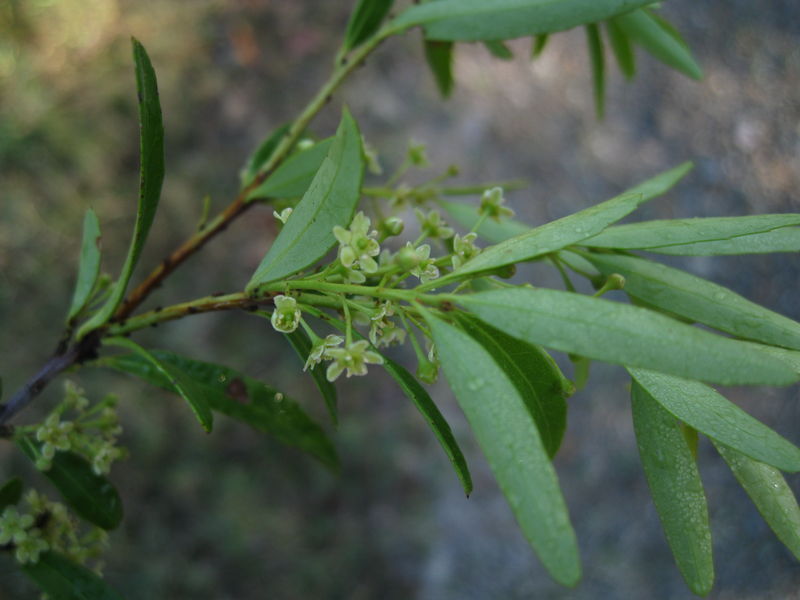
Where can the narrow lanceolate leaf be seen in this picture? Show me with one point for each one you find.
(790, 357)
(439, 56)
(622, 48)
(89, 266)
(262, 154)
(622, 334)
(493, 231)
(534, 373)
(499, 50)
(185, 386)
(695, 298)
(756, 234)
(510, 440)
(151, 150)
(538, 45)
(649, 33)
(365, 21)
(479, 20)
(10, 492)
(598, 62)
(330, 200)
(713, 415)
(770, 493)
(676, 488)
(417, 394)
(293, 178)
(62, 579)
(240, 397)
(91, 496)
(571, 229)
(301, 343)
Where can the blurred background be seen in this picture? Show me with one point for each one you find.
(234, 515)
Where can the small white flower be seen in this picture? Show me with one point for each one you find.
(354, 358)
(492, 204)
(432, 224)
(417, 154)
(29, 549)
(464, 248)
(284, 215)
(358, 245)
(385, 333)
(14, 526)
(319, 351)
(286, 316)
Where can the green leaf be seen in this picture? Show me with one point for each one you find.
(62, 579)
(770, 493)
(538, 45)
(301, 343)
(365, 21)
(467, 215)
(240, 397)
(598, 62)
(696, 298)
(510, 440)
(151, 146)
(439, 56)
(676, 488)
(262, 154)
(499, 50)
(91, 496)
(293, 178)
(330, 200)
(89, 266)
(10, 492)
(648, 32)
(622, 48)
(534, 373)
(417, 394)
(479, 20)
(713, 415)
(622, 334)
(184, 386)
(571, 229)
(756, 234)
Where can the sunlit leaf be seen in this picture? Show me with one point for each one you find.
(770, 493)
(293, 178)
(238, 396)
(92, 497)
(151, 144)
(365, 21)
(417, 394)
(713, 415)
(439, 56)
(262, 154)
(89, 266)
(598, 61)
(510, 440)
(301, 343)
(693, 297)
(623, 334)
(330, 200)
(676, 489)
(479, 20)
(62, 579)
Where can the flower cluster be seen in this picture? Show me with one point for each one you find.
(492, 204)
(433, 226)
(383, 331)
(357, 247)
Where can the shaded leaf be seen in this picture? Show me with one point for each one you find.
(294, 176)
(756, 234)
(184, 386)
(330, 200)
(598, 62)
(770, 493)
(92, 497)
(676, 489)
(417, 394)
(510, 440)
(365, 21)
(534, 373)
(623, 334)
(693, 297)
(571, 229)
(10, 492)
(538, 45)
(151, 145)
(478, 20)
(499, 50)
(467, 215)
(622, 48)
(648, 32)
(62, 579)
(713, 415)
(301, 343)
(262, 154)
(239, 397)
(439, 56)
(89, 265)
